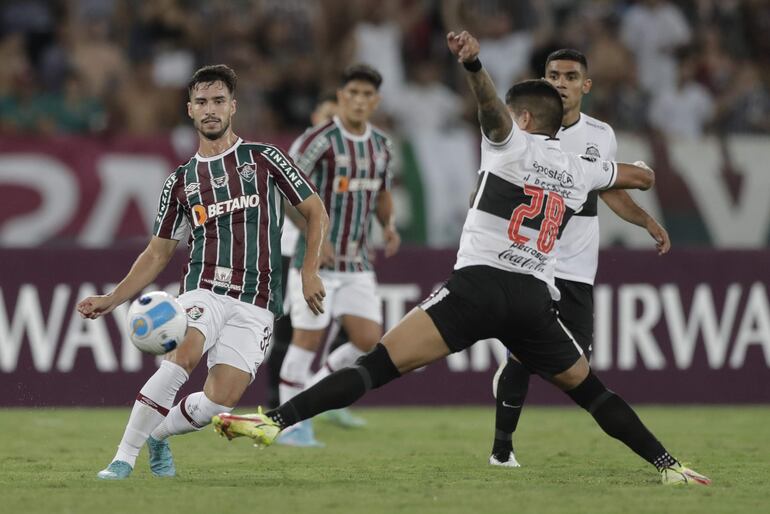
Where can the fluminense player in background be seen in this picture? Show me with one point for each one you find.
(227, 200)
(325, 108)
(502, 285)
(349, 160)
(577, 254)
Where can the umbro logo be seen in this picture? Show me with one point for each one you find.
(192, 188)
(509, 406)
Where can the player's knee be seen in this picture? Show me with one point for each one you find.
(590, 393)
(511, 382)
(185, 359)
(573, 376)
(377, 368)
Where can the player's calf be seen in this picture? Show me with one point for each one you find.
(339, 389)
(620, 421)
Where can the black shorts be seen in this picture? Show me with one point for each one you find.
(576, 311)
(481, 302)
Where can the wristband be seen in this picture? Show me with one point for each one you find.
(473, 66)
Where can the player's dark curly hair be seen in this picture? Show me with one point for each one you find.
(567, 54)
(211, 74)
(362, 72)
(541, 100)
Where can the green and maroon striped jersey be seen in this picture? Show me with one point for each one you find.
(348, 172)
(232, 205)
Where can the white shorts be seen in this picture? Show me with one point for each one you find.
(237, 333)
(353, 293)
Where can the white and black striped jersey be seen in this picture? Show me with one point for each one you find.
(578, 252)
(528, 190)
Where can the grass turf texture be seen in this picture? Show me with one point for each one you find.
(407, 460)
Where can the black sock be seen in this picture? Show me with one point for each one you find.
(512, 387)
(620, 421)
(339, 389)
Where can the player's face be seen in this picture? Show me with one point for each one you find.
(568, 77)
(357, 101)
(211, 108)
(323, 112)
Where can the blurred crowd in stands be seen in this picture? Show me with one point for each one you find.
(685, 67)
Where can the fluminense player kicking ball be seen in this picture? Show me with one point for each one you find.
(502, 285)
(228, 196)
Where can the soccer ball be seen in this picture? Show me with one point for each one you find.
(156, 323)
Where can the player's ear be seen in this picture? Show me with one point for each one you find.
(189, 109)
(376, 101)
(587, 83)
(234, 107)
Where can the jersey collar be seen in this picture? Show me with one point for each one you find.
(551, 142)
(574, 126)
(200, 158)
(363, 137)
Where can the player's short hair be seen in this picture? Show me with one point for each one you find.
(542, 101)
(362, 72)
(567, 54)
(211, 74)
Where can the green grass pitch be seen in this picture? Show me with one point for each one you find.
(410, 460)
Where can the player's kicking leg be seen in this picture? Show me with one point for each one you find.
(151, 407)
(413, 342)
(620, 421)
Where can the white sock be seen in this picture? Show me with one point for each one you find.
(151, 406)
(295, 372)
(189, 415)
(345, 355)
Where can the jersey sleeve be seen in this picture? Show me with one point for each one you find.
(513, 141)
(170, 222)
(612, 151)
(599, 174)
(290, 179)
(307, 150)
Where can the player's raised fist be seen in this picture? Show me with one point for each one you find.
(463, 45)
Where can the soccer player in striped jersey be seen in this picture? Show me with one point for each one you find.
(349, 160)
(229, 198)
(325, 108)
(502, 285)
(578, 249)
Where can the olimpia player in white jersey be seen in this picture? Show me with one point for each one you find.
(578, 250)
(227, 202)
(502, 285)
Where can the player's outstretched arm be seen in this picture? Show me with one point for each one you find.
(145, 269)
(317, 223)
(627, 209)
(495, 120)
(634, 176)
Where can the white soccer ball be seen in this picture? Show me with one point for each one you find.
(156, 323)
